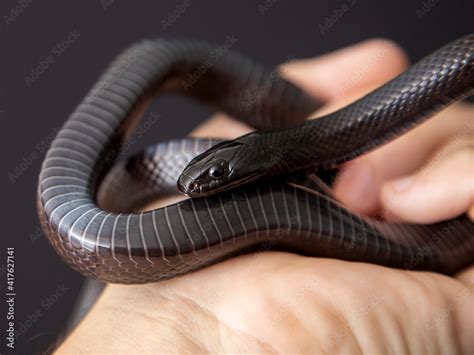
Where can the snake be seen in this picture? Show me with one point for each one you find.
(263, 191)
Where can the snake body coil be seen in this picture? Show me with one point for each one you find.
(293, 212)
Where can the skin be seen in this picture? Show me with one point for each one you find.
(280, 302)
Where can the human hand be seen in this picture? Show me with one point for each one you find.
(266, 302)
(411, 177)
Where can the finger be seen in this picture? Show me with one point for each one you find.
(359, 184)
(441, 190)
(221, 126)
(335, 78)
(347, 71)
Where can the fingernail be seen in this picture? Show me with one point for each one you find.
(403, 184)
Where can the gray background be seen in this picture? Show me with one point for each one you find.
(30, 112)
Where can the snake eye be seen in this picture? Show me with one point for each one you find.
(216, 171)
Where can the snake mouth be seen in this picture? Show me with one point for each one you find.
(186, 184)
(194, 190)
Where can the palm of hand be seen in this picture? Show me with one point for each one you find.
(281, 302)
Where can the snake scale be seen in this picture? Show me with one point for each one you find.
(258, 192)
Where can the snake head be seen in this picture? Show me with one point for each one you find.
(219, 168)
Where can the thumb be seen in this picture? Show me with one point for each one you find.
(443, 189)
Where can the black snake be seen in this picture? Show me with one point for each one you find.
(87, 204)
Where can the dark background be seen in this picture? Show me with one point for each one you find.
(30, 112)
